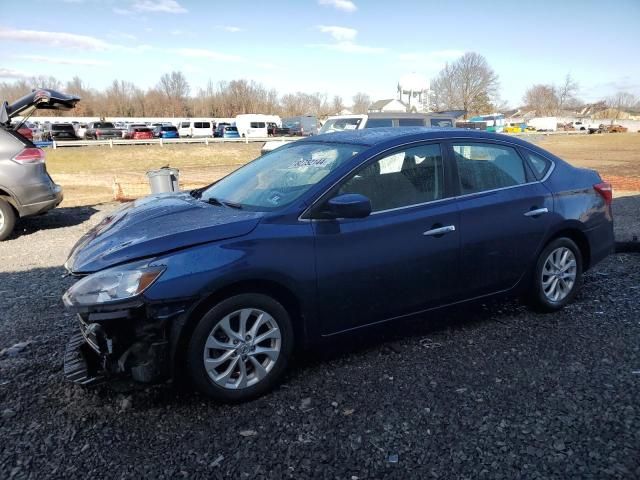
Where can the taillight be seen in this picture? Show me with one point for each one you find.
(30, 155)
(605, 190)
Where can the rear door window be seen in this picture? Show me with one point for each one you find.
(485, 166)
(258, 125)
(184, 125)
(379, 123)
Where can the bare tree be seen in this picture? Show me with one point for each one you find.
(468, 83)
(566, 92)
(175, 86)
(543, 99)
(361, 102)
(621, 102)
(337, 105)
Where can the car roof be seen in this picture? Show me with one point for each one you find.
(377, 136)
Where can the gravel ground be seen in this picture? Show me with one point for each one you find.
(489, 391)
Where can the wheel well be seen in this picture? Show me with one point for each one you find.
(275, 290)
(580, 239)
(4, 194)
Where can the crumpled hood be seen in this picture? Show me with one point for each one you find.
(156, 224)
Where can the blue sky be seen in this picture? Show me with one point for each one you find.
(333, 46)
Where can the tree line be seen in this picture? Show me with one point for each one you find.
(468, 83)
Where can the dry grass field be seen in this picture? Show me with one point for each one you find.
(88, 174)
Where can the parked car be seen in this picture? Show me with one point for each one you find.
(302, 125)
(131, 129)
(81, 129)
(60, 131)
(141, 133)
(102, 131)
(339, 123)
(190, 128)
(165, 131)
(255, 125)
(324, 236)
(219, 129)
(382, 120)
(227, 131)
(26, 189)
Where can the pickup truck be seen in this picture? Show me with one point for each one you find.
(101, 131)
(273, 130)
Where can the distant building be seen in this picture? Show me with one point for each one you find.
(388, 105)
(415, 92)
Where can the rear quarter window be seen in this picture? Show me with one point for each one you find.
(539, 164)
(441, 122)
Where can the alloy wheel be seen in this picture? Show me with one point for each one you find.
(242, 348)
(559, 274)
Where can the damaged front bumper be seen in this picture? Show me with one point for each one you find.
(128, 342)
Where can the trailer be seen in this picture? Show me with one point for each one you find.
(544, 124)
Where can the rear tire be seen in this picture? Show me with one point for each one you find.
(7, 219)
(557, 276)
(224, 355)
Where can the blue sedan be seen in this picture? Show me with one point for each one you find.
(327, 235)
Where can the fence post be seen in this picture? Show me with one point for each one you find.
(246, 139)
(206, 140)
(53, 144)
(161, 144)
(111, 142)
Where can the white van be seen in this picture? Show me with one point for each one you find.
(195, 128)
(255, 125)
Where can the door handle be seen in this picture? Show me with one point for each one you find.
(434, 232)
(536, 212)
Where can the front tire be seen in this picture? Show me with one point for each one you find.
(240, 349)
(557, 275)
(7, 219)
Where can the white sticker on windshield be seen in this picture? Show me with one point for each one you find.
(311, 162)
(350, 126)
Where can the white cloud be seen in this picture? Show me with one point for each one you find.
(339, 33)
(176, 32)
(230, 28)
(62, 61)
(10, 73)
(164, 6)
(207, 54)
(152, 6)
(55, 39)
(349, 47)
(344, 5)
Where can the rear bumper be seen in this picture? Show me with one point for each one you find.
(55, 197)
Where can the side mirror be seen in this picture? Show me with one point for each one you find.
(349, 205)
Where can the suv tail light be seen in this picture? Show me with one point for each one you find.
(605, 190)
(30, 155)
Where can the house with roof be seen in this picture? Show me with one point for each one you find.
(388, 105)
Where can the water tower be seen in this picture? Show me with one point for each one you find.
(413, 90)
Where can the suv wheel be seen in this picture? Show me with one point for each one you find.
(7, 219)
(241, 347)
(557, 275)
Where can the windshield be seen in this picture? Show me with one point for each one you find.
(278, 178)
(339, 124)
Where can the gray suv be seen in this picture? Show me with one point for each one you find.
(26, 188)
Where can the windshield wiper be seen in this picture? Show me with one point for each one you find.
(196, 193)
(223, 203)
